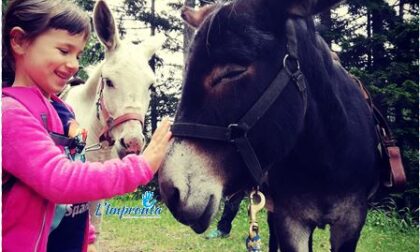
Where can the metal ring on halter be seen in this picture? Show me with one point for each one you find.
(286, 57)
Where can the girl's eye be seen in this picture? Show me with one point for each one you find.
(63, 51)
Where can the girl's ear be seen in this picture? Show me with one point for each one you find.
(18, 41)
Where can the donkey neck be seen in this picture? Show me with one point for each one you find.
(325, 77)
(328, 87)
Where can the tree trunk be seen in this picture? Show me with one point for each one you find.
(369, 37)
(378, 49)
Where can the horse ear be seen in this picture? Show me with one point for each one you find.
(195, 17)
(311, 7)
(105, 26)
(150, 45)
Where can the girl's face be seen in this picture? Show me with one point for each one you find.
(49, 60)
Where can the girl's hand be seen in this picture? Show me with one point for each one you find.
(156, 150)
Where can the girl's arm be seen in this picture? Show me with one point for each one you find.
(31, 156)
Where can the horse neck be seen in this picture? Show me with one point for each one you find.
(91, 85)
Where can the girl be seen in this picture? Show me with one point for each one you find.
(42, 40)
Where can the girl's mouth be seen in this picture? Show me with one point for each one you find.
(64, 76)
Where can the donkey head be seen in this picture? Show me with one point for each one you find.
(237, 51)
(125, 81)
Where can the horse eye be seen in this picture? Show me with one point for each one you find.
(109, 83)
(228, 73)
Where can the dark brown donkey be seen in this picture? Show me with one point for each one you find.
(263, 98)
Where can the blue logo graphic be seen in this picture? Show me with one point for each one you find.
(148, 200)
(149, 208)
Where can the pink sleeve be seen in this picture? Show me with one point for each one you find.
(30, 155)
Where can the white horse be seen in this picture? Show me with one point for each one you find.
(113, 102)
(119, 86)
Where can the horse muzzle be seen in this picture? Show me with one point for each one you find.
(130, 145)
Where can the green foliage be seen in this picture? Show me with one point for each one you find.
(93, 51)
(388, 215)
(92, 54)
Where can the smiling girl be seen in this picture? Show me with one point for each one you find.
(42, 42)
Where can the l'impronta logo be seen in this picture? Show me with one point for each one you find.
(149, 209)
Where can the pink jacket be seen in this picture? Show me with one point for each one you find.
(45, 177)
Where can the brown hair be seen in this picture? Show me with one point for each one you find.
(36, 17)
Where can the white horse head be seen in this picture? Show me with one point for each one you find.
(120, 85)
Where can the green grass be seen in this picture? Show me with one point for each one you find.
(383, 232)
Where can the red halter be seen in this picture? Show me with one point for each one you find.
(110, 121)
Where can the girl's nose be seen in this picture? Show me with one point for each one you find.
(73, 64)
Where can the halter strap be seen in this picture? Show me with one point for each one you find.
(237, 133)
(110, 121)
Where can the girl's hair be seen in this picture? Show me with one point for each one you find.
(36, 17)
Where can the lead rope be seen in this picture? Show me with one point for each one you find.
(257, 202)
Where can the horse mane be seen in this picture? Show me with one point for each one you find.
(91, 85)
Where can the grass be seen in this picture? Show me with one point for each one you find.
(384, 231)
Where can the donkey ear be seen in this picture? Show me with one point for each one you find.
(311, 7)
(150, 45)
(105, 26)
(195, 17)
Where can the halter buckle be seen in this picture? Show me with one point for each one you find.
(236, 131)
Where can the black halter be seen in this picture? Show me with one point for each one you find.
(237, 133)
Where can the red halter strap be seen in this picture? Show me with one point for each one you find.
(111, 122)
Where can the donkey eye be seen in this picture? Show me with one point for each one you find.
(109, 83)
(229, 73)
